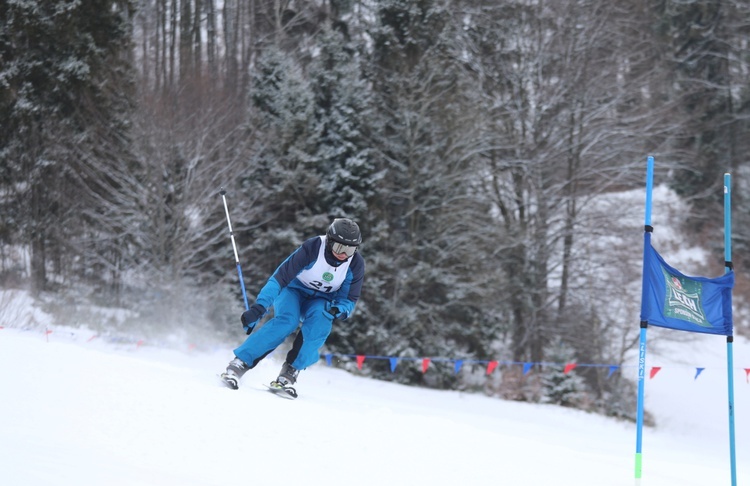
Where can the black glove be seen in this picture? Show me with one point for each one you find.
(251, 317)
(334, 311)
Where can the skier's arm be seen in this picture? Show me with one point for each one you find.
(347, 296)
(288, 271)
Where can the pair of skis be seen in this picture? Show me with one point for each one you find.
(274, 387)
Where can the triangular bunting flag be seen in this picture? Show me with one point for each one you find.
(457, 365)
(394, 363)
(491, 367)
(527, 367)
(747, 375)
(612, 369)
(698, 371)
(360, 360)
(654, 371)
(425, 364)
(329, 359)
(569, 367)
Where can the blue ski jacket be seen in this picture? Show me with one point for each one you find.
(344, 297)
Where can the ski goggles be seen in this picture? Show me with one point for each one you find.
(340, 248)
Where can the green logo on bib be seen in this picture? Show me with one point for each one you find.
(328, 276)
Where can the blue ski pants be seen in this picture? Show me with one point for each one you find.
(290, 307)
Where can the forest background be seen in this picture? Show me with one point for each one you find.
(470, 139)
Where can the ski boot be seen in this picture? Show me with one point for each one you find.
(287, 378)
(235, 370)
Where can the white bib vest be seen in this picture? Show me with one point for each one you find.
(322, 276)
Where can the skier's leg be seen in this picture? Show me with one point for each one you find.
(316, 327)
(262, 341)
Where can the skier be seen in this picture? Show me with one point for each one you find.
(319, 282)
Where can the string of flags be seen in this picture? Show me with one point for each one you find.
(492, 365)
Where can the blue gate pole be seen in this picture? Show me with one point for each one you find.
(644, 326)
(730, 339)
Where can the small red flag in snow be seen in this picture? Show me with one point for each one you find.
(654, 371)
(569, 367)
(425, 364)
(360, 360)
(491, 367)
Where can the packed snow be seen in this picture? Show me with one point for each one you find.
(81, 411)
(78, 409)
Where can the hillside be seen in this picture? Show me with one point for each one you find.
(85, 412)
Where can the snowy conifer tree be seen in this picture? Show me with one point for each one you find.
(64, 71)
(558, 387)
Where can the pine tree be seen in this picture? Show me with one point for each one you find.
(64, 69)
(700, 51)
(282, 177)
(559, 387)
(343, 110)
(433, 231)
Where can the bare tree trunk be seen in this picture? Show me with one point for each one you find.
(197, 39)
(211, 35)
(172, 43)
(161, 45)
(145, 42)
(230, 43)
(186, 42)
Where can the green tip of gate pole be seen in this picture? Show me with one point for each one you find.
(638, 465)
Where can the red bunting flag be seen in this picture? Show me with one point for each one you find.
(425, 364)
(92, 338)
(569, 367)
(747, 375)
(491, 367)
(360, 360)
(139, 343)
(654, 371)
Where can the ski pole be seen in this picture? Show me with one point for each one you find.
(234, 247)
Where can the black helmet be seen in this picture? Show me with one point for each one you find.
(343, 236)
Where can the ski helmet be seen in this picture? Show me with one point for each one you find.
(343, 236)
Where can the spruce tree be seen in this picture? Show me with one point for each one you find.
(64, 70)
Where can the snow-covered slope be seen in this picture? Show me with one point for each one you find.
(79, 412)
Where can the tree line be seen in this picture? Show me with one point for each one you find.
(471, 139)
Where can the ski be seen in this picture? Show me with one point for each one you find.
(283, 391)
(274, 387)
(228, 381)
